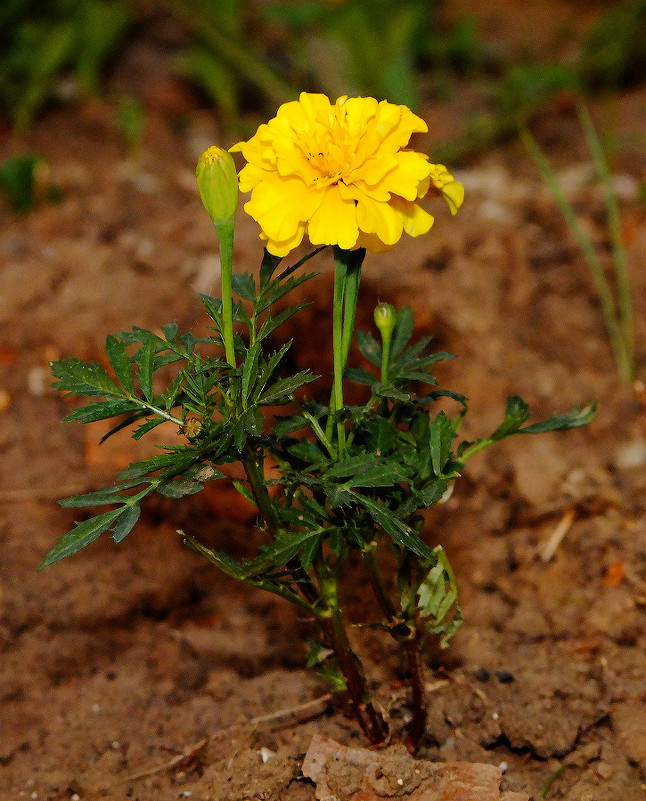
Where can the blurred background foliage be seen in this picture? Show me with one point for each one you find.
(246, 57)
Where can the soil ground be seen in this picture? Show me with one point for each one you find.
(122, 659)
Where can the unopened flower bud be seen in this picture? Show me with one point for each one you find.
(385, 319)
(218, 184)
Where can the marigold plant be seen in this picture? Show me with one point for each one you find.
(348, 481)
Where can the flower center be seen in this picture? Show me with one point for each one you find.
(330, 153)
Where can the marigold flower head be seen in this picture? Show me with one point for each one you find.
(340, 173)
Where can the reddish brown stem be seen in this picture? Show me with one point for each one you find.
(418, 724)
(370, 719)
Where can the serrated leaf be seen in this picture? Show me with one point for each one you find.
(81, 535)
(287, 425)
(401, 533)
(144, 428)
(250, 423)
(102, 410)
(282, 390)
(516, 413)
(223, 561)
(576, 417)
(244, 285)
(445, 393)
(145, 360)
(99, 498)
(438, 600)
(272, 323)
(188, 342)
(176, 460)
(366, 470)
(126, 522)
(402, 332)
(79, 378)
(382, 435)
(369, 346)
(179, 487)
(289, 544)
(250, 372)
(441, 440)
(391, 391)
(169, 331)
(268, 369)
(120, 362)
(213, 308)
(359, 375)
(268, 268)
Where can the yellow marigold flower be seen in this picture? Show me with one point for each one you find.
(341, 174)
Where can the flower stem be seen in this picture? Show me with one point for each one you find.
(334, 630)
(347, 276)
(224, 232)
(405, 634)
(418, 724)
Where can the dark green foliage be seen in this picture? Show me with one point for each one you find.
(399, 452)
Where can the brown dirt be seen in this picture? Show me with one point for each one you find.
(121, 659)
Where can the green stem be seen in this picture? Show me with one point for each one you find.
(369, 553)
(224, 232)
(622, 274)
(256, 477)
(334, 630)
(337, 334)
(347, 276)
(601, 283)
(402, 632)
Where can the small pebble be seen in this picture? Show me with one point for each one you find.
(96, 708)
(604, 770)
(400, 782)
(495, 716)
(266, 754)
(632, 454)
(37, 380)
(504, 676)
(503, 767)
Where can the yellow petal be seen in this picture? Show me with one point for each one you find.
(409, 170)
(380, 219)
(280, 204)
(283, 247)
(306, 110)
(372, 243)
(453, 193)
(250, 175)
(334, 222)
(416, 220)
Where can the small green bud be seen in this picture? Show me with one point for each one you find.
(218, 184)
(385, 319)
